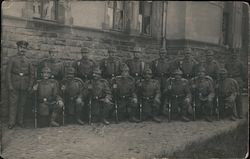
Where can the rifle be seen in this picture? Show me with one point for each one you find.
(194, 107)
(63, 108)
(169, 103)
(35, 104)
(140, 110)
(217, 105)
(116, 105)
(1, 137)
(90, 107)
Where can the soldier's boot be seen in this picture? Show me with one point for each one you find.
(11, 126)
(156, 119)
(105, 122)
(208, 119)
(184, 118)
(53, 123)
(78, 117)
(134, 119)
(79, 121)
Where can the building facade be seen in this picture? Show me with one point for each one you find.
(64, 26)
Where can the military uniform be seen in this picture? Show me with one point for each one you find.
(124, 95)
(187, 64)
(237, 71)
(136, 66)
(56, 67)
(74, 92)
(228, 91)
(178, 93)
(149, 94)
(100, 95)
(84, 67)
(19, 81)
(110, 66)
(48, 97)
(203, 93)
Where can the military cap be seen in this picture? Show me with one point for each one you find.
(137, 49)
(84, 50)
(46, 69)
(147, 71)
(97, 71)
(112, 49)
(22, 42)
(70, 70)
(223, 71)
(210, 53)
(124, 67)
(201, 69)
(177, 71)
(187, 50)
(162, 51)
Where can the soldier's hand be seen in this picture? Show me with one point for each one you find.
(78, 100)
(60, 103)
(63, 87)
(187, 100)
(157, 100)
(134, 100)
(35, 87)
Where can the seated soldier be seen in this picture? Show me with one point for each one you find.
(74, 91)
(178, 94)
(125, 95)
(99, 97)
(48, 98)
(203, 93)
(228, 91)
(149, 94)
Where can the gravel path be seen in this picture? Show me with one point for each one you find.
(143, 140)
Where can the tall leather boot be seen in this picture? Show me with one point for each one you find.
(53, 123)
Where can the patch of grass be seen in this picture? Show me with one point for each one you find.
(232, 144)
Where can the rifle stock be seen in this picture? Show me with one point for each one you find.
(140, 110)
(90, 111)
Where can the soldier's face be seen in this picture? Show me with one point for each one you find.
(111, 54)
(45, 75)
(148, 76)
(187, 55)
(136, 54)
(162, 55)
(84, 55)
(201, 74)
(125, 73)
(22, 49)
(177, 76)
(51, 54)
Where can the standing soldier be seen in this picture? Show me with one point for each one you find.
(149, 94)
(136, 65)
(84, 67)
(100, 96)
(212, 66)
(56, 67)
(237, 71)
(178, 94)
(125, 95)
(48, 98)
(187, 64)
(228, 91)
(110, 66)
(74, 91)
(160, 69)
(19, 81)
(203, 93)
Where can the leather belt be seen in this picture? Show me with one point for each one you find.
(125, 96)
(178, 96)
(97, 97)
(20, 73)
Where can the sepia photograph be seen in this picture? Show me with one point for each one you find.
(124, 79)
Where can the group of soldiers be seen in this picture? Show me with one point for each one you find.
(117, 90)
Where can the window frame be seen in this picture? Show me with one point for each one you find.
(141, 4)
(114, 16)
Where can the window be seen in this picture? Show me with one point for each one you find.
(145, 14)
(45, 9)
(225, 25)
(116, 15)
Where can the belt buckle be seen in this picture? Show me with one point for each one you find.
(136, 74)
(123, 96)
(147, 98)
(176, 96)
(112, 75)
(96, 97)
(71, 98)
(52, 76)
(21, 74)
(45, 99)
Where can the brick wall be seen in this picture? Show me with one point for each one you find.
(66, 41)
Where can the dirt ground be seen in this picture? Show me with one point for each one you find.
(123, 140)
